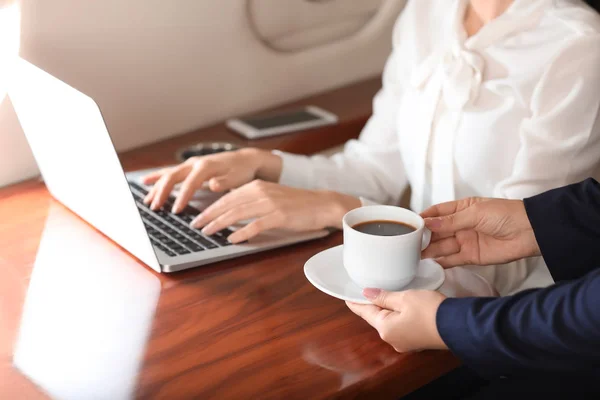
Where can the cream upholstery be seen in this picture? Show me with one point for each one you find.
(160, 68)
(294, 25)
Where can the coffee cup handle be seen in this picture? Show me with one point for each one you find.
(426, 238)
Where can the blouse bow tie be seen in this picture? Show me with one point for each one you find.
(462, 71)
(462, 67)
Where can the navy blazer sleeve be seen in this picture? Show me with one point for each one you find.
(566, 223)
(551, 329)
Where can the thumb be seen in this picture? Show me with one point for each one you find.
(384, 299)
(466, 219)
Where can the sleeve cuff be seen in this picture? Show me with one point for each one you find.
(296, 170)
(455, 328)
(547, 224)
(451, 320)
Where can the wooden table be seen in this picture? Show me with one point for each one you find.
(79, 316)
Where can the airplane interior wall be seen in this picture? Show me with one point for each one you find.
(161, 68)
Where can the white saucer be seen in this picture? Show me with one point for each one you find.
(326, 272)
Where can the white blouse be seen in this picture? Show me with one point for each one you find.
(509, 112)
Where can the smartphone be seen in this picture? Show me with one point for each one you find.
(260, 126)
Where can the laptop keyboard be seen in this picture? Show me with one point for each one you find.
(170, 232)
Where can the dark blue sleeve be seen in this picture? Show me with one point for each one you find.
(552, 329)
(566, 223)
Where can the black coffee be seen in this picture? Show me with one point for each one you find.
(384, 228)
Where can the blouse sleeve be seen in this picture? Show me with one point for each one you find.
(560, 142)
(370, 167)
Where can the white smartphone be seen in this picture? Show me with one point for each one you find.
(260, 126)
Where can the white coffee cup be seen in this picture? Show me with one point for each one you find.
(383, 262)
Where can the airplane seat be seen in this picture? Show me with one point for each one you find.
(159, 69)
(296, 25)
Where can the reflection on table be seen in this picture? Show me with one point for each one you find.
(86, 318)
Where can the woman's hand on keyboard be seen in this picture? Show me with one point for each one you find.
(222, 172)
(270, 206)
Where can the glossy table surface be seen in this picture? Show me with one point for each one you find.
(81, 318)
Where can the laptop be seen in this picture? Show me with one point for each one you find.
(79, 164)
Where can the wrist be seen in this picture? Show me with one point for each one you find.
(267, 165)
(337, 205)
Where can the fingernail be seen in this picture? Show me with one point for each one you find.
(208, 230)
(371, 293)
(176, 208)
(433, 222)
